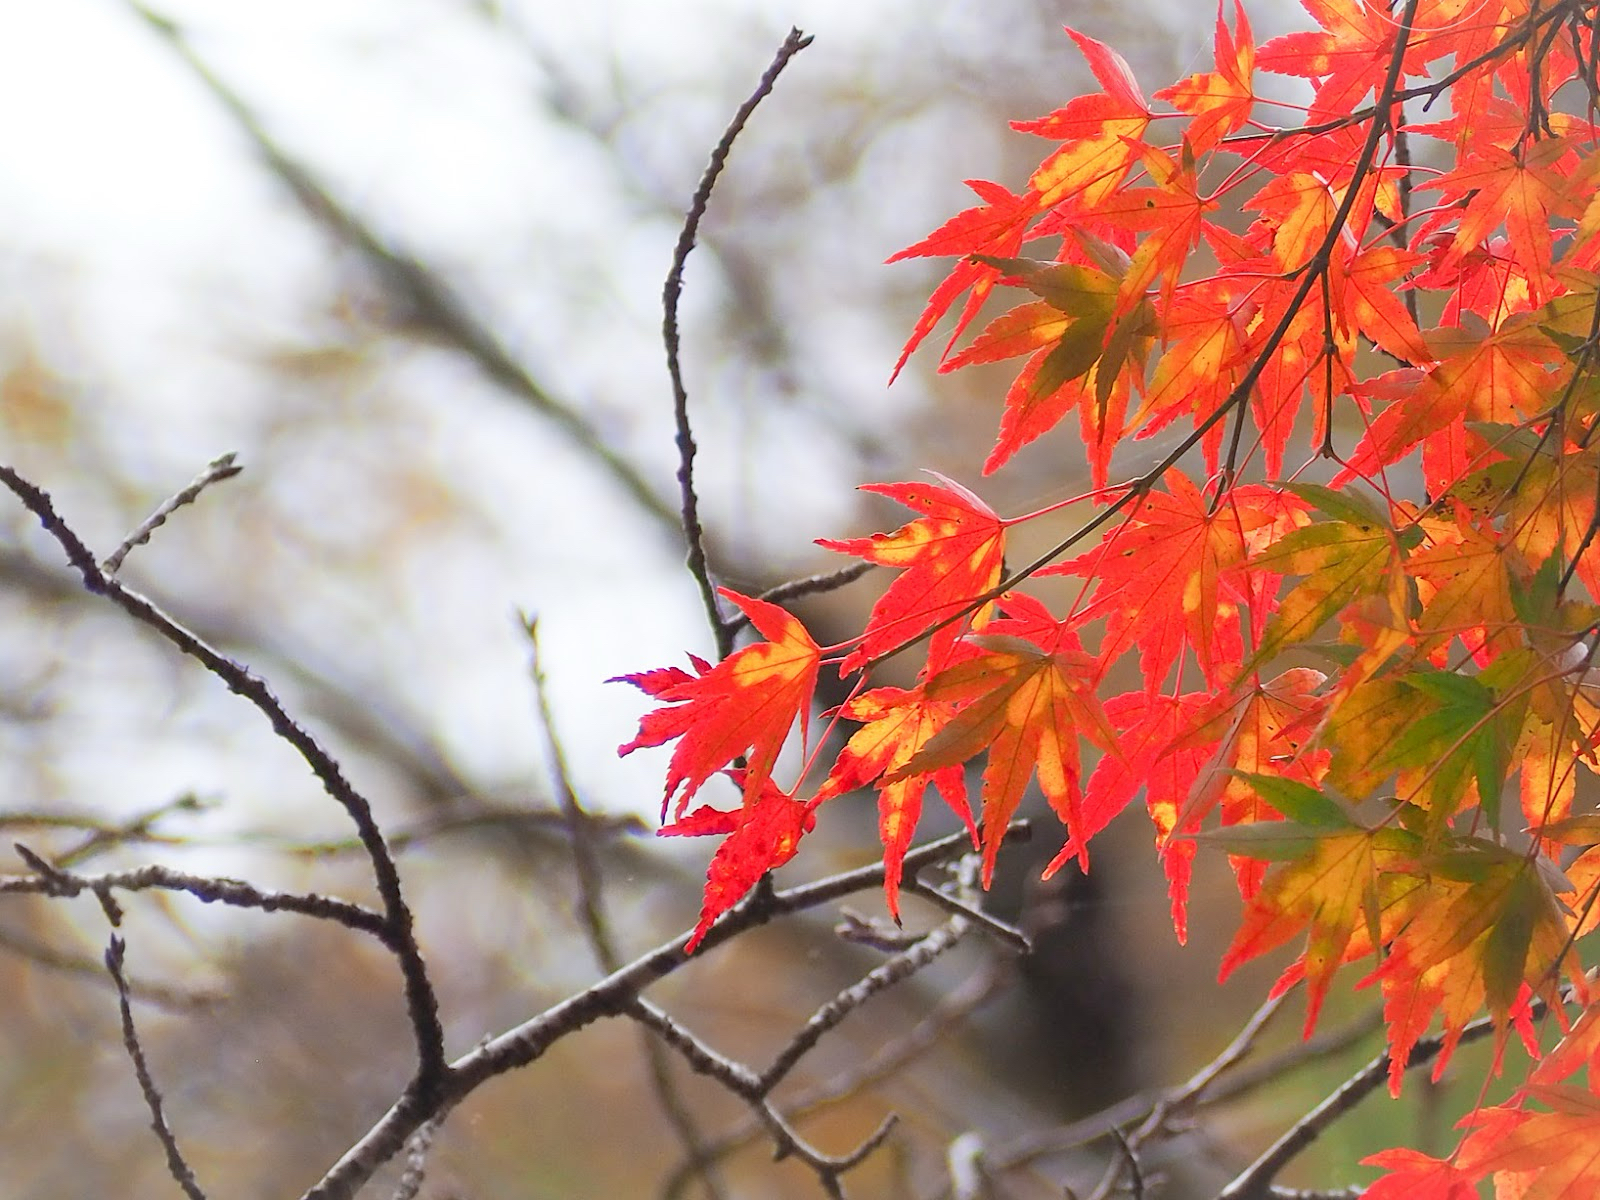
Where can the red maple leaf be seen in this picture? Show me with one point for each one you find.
(757, 838)
(745, 705)
(1148, 727)
(1160, 580)
(947, 557)
(1413, 1175)
(994, 227)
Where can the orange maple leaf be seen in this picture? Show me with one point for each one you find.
(1089, 351)
(1556, 1152)
(1349, 56)
(1522, 191)
(1356, 555)
(1219, 101)
(1265, 731)
(1413, 1175)
(1580, 1048)
(947, 557)
(745, 705)
(1026, 697)
(1464, 578)
(1205, 330)
(1484, 931)
(1364, 288)
(1506, 375)
(758, 838)
(1340, 876)
(1172, 213)
(896, 725)
(1091, 165)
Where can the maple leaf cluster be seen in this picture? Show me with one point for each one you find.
(1359, 589)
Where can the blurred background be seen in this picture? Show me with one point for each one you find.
(405, 258)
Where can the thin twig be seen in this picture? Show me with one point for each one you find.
(811, 585)
(969, 1178)
(398, 933)
(1223, 1079)
(137, 828)
(1181, 1098)
(156, 995)
(488, 819)
(702, 1057)
(349, 706)
(176, 1163)
(1130, 1155)
(233, 892)
(1274, 1067)
(585, 862)
(610, 997)
(591, 912)
(753, 1089)
(886, 975)
(693, 534)
(1254, 1182)
(1013, 938)
(887, 1061)
(416, 1172)
(218, 469)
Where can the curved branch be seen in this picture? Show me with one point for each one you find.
(671, 291)
(232, 892)
(399, 935)
(1255, 1181)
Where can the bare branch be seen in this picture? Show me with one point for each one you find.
(399, 934)
(586, 865)
(416, 1172)
(611, 996)
(137, 828)
(232, 892)
(1010, 935)
(902, 966)
(489, 818)
(969, 1179)
(693, 534)
(216, 470)
(176, 1164)
(811, 585)
(346, 705)
(743, 1082)
(705, 1059)
(1254, 1182)
(888, 1060)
